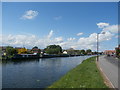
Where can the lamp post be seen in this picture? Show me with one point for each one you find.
(98, 45)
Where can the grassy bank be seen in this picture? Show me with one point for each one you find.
(85, 75)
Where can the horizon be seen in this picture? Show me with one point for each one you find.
(62, 48)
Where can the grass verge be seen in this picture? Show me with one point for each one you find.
(85, 75)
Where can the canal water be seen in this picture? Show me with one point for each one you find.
(37, 73)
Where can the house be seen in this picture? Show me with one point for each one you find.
(110, 52)
(42, 51)
(36, 50)
(70, 51)
(64, 52)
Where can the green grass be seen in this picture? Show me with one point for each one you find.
(85, 75)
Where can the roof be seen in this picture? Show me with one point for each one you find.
(109, 51)
(35, 49)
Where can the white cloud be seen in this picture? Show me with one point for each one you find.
(50, 34)
(112, 29)
(70, 39)
(102, 25)
(89, 42)
(106, 36)
(30, 40)
(57, 17)
(79, 34)
(30, 14)
(59, 39)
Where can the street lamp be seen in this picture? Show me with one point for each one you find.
(98, 44)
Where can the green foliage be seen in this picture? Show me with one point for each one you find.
(118, 52)
(53, 49)
(35, 47)
(83, 51)
(10, 51)
(71, 51)
(94, 52)
(77, 52)
(88, 51)
(85, 75)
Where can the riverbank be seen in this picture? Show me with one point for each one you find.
(85, 75)
(32, 56)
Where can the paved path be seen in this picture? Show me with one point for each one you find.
(0, 76)
(109, 66)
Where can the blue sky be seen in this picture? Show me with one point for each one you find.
(62, 20)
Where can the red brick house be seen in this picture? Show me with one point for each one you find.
(110, 52)
(36, 50)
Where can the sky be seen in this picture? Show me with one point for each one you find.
(68, 24)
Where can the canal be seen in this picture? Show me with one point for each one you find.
(37, 73)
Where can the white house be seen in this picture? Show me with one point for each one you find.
(64, 52)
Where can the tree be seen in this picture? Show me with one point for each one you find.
(89, 51)
(10, 51)
(83, 51)
(53, 49)
(71, 51)
(118, 51)
(35, 47)
(77, 52)
(94, 53)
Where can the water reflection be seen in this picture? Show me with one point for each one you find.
(37, 73)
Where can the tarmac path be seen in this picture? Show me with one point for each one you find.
(109, 66)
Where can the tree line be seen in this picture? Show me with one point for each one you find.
(51, 49)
